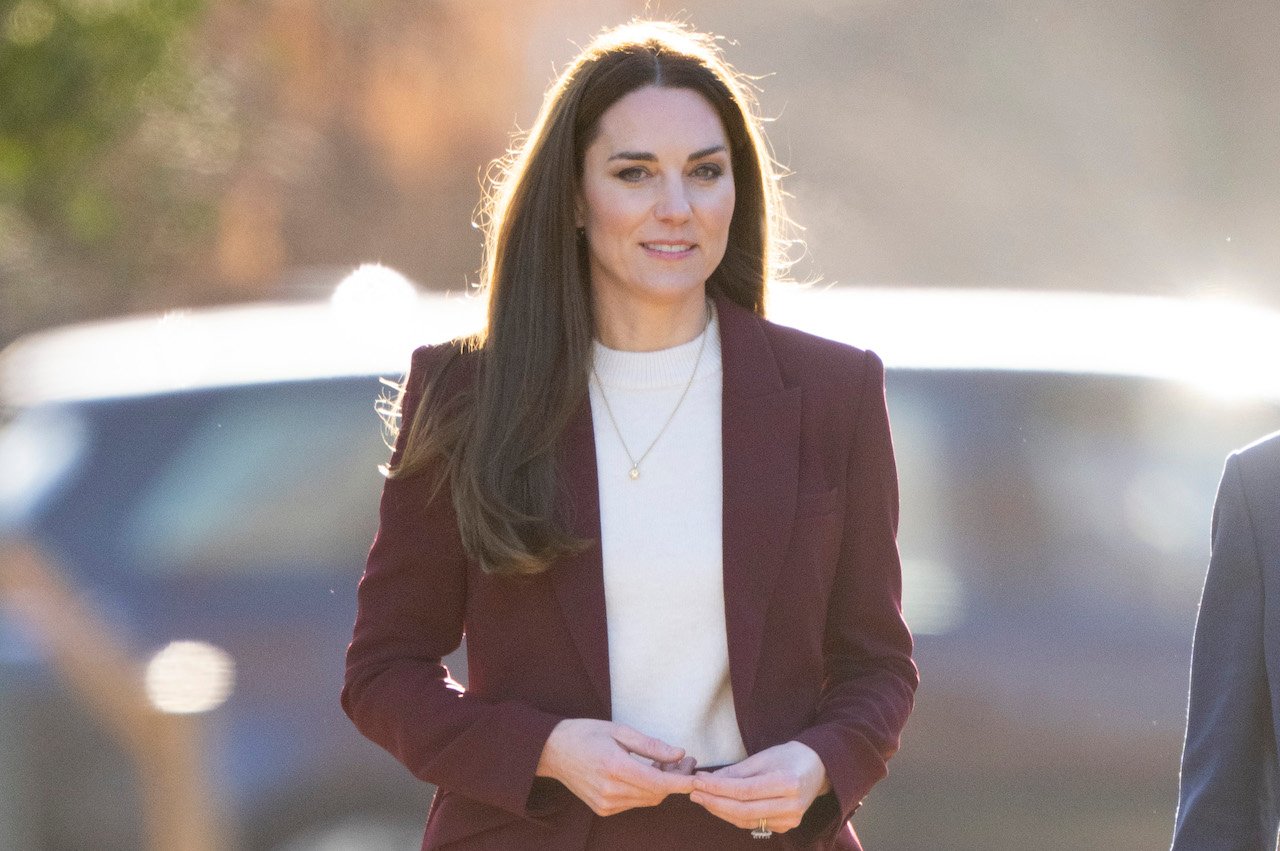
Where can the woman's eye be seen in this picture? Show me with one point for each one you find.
(633, 174)
(708, 171)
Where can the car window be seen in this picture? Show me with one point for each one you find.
(38, 449)
(933, 588)
(270, 479)
(1034, 496)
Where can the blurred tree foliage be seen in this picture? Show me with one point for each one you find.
(78, 80)
(162, 152)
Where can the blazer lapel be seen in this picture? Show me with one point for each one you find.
(761, 446)
(579, 579)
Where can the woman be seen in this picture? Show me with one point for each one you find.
(665, 525)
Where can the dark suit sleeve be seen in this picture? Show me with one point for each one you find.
(1228, 791)
(411, 604)
(870, 679)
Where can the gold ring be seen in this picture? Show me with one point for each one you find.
(763, 831)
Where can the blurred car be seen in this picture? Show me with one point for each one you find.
(212, 477)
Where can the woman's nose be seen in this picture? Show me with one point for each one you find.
(674, 201)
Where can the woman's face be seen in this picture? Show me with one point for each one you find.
(656, 198)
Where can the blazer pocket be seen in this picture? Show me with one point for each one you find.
(818, 503)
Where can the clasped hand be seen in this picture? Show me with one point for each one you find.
(777, 784)
(596, 761)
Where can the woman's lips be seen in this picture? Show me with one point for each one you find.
(668, 250)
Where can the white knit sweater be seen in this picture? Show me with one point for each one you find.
(662, 546)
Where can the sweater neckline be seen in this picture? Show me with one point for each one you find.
(662, 368)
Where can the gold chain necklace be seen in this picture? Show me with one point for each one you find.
(636, 462)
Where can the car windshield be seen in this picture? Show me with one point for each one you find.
(251, 479)
(38, 449)
(1090, 491)
(1026, 491)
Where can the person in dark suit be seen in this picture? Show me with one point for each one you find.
(665, 525)
(1229, 796)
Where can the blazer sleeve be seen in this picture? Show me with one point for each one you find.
(870, 679)
(1229, 797)
(410, 612)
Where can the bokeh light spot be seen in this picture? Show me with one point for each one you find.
(189, 676)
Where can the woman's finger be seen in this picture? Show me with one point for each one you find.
(775, 784)
(646, 746)
(780, 812)
(651, 780)
(684, 766)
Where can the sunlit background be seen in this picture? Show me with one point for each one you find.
(1054, 221)
(155, 154)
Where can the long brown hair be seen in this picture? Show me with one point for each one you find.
(494, 439)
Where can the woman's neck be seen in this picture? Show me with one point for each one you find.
(649, 326)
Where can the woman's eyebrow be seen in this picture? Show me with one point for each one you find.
(706, 152)
(645, 156)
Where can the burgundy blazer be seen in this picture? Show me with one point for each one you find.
(818, 650)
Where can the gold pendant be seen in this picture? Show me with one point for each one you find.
(635, 472)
